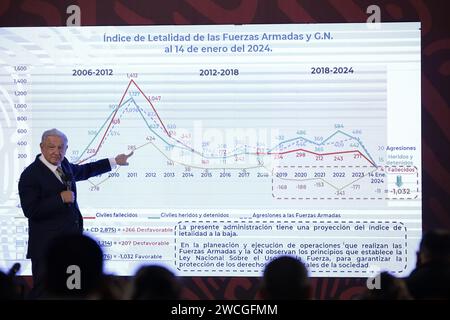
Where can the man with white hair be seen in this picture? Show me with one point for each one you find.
(48, 197)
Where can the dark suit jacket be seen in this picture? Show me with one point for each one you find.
(48, 217)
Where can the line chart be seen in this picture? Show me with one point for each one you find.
(112, 118)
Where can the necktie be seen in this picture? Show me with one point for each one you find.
(61, 174)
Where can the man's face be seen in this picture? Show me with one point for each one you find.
(53, 149)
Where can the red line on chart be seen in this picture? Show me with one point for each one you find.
(151, 104)
(109, 125)
(320, 154)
